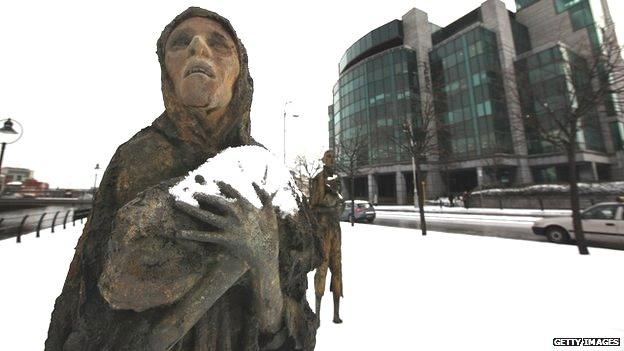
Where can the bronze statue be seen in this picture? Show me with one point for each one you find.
(153, 273)
(327, 203)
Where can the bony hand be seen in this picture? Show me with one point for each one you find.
(249, 233)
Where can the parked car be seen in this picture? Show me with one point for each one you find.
(604, 220)
(364, 212)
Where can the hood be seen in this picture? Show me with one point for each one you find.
(181, 122)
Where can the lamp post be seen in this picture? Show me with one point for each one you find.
(284, 120)
(8, 134)
(97, 168)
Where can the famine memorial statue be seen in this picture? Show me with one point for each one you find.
(327, 204)
(198, 240)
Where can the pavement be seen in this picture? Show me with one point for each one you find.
(477, 211)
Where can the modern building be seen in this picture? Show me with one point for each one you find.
(470, 73)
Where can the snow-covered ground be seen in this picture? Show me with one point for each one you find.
(402, 291)
(32, 275)
(607, 188)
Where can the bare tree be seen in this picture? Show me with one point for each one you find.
(566, 102)
(305, 169)
(495, 164)
(420, 140)
(351, 153)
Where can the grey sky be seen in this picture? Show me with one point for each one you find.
(83, 77)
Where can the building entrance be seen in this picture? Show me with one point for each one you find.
(386, 187)
(463, 180)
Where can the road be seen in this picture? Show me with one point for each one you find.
(510, 227)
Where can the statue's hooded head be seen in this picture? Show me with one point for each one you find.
(329, 162)
(206, 84)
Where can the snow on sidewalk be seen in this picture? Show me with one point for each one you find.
(32, 275)
(402, 291)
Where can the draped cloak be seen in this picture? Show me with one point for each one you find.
(173, 145)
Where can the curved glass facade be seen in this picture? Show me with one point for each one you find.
(390, 33)
(371, 101)
(467, 73)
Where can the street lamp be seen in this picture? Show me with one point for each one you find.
(8, 134)
(97, 168)
(291, 115)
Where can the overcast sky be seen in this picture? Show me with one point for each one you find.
(83, 77)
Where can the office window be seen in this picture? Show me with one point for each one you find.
(617, 134)
(520, 4)
(563, 5)
(581, 16)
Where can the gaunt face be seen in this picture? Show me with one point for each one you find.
(328, 158)
(329, 162)
(202, 62)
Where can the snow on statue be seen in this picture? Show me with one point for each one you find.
(241, 167)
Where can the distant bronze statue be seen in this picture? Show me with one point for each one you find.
(154, 273)
(327, 203)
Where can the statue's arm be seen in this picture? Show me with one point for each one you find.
(317, 190)
(146, 266)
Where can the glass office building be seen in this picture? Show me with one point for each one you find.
(467, 73)
(374, 93)
(477, 71)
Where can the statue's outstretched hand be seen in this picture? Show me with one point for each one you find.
(249, 233)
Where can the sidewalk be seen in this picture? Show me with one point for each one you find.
(477, 211)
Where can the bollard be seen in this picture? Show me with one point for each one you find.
(54, 220)
(541, 203)
(19, 230)
(65, 219)
(500, 203)
(39, 224)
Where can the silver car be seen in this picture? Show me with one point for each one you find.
(364, 212)
(604, 220)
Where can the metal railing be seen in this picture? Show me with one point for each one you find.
(34, 222)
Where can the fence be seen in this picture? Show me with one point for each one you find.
(23, 224)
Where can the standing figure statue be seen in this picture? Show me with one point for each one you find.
(327, 204)
(152, 272)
